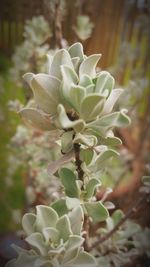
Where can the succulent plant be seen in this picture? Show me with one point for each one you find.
(73, 96)
(53, 245)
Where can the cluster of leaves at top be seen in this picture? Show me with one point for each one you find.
(78, 102)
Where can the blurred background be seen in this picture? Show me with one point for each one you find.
(120, 30)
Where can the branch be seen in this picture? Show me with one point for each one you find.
(78, 162)
(127, 216)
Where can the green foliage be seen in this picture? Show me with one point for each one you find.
(75, 102)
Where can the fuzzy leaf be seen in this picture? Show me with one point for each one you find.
(107, 122)
(76, 218)
(76, 62)
(86, 155)
(66, 123)
(91, 106)
(111, 100)
(55, 165)
(97, 211)
(104, 82)
(37, 119)
(68, 180)
(90, 188)
(88, 66)
(69, 77)
(85, 139)
(50, 234)
(61, 57)
(28, 222)
(85, 80)
(102, 159)
(46, 217)
(64, 228)
(77, 93)
(76, 50)
(36, 241)
(60, 207)
(83, 259)
(66, 141)
(72, 248)
(46, 92)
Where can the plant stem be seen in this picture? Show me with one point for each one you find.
(58, 40)
(78, 162)
(127, 216)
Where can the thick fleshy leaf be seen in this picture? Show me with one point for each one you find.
(102, 158)
(60, 206)
(36, 241)
(64, 227)
(76, 62)
(85, 139)
(90, 188)
(28, 222)
(77, 93)
(55, 165)
(28, 259)
(97, 211)
(91, 106)
(66, 141)
(76, 50)
(76, 218)
(83, 259)
(85, 80)
(46, 217)
(72, 202)
(66, 123)
(88, 66)
(111, 100)
(111, 141)
(107, 122)
(61, 57)
(68, 180)
(90, 89)
(50, 234)
(104, 82)
(69, 77)
(46, 92)
(37, 119)
(72, 248)
(86, 155)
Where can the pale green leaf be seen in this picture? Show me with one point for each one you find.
(76, 218)
(111, 100)
(46, 92)
(117, 216)
(85, 139)
(69, 77)
(107, 122)
(76, 50)
(66, 123)
(104, 82)
(60, 207)
(77, 93)
(88, 66)
(37, 119)
(102, 158)
(91, 106)
(64, 227)
(36, 241)
(90, 188)
(61, 57)
(28, 222)
(66, 141)
(68, 180)
(46, 217)
(83, 259)
(97, 211)
(50, 234)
